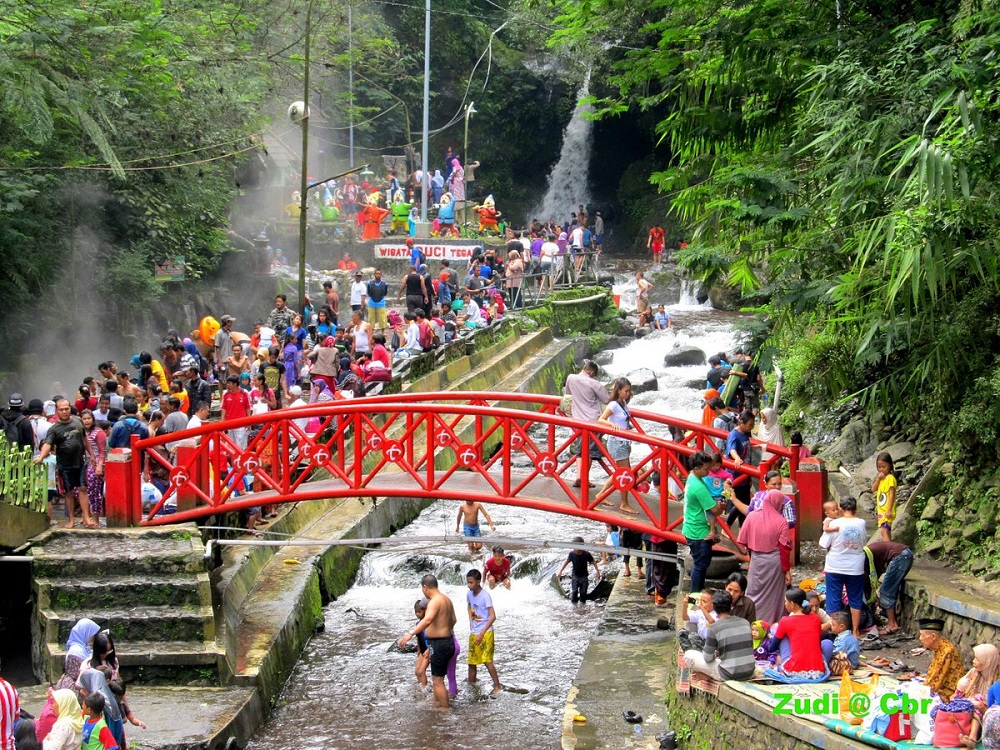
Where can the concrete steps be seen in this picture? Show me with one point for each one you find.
(149, 587)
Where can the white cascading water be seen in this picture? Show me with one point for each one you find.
(569, 180)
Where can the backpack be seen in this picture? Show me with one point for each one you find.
(421, 256)
(427, 339)
(12, 428)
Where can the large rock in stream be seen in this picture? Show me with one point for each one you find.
(643, 380)
(683, 355)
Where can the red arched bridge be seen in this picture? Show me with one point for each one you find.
(506, 448)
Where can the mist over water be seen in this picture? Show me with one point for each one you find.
(569, 181)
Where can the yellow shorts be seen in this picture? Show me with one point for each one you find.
(378, 317)
(481, 653)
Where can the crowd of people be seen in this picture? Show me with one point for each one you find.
(86, 709)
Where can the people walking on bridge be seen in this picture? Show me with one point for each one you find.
(438, 625)
(616, 415)
(468, 516)
(588, 397)
(481, 619)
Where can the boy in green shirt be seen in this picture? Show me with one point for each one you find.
(96, 735)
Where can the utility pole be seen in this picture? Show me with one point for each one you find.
(304, 185)
(427, 96)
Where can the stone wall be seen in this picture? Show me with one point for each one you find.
(966, 622)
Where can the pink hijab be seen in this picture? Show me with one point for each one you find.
(765, 529)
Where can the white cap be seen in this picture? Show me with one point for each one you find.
(295, 390)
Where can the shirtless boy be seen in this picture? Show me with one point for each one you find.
(438, 627)
(468, 517)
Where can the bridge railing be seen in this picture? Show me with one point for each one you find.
(506, 448)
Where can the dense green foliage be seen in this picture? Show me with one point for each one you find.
(841, 168)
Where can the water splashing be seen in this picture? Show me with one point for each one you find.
(569, 180)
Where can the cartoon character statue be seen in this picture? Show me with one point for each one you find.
(294, 207)
(327, 205)
(372, 216)
(488, 215)
(411, 221)
(445, 221)
(400, 212)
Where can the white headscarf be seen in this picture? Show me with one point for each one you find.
(770, 429)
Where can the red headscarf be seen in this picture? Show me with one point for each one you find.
(329, 342)
(765, 529)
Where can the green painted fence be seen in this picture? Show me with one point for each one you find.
(22, 481)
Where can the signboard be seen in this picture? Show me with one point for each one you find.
(433, 249)
(172, 269)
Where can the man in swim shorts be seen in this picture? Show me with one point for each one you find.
(481, 619)
(468, 516)
(438, 626)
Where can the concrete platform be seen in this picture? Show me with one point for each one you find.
(179, 718)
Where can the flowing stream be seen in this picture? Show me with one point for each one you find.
(353, 689)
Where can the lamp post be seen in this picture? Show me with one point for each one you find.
(304, 187)
(424, 163)
(470, 109)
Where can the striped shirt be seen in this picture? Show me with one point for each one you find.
(730, 641)
(10, 710)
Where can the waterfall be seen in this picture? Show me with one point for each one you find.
(689, 294)
(569, 180)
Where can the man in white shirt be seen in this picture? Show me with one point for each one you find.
(576, 246)
(473, 315)
(412, 344)
(589, 399)
(359, 290)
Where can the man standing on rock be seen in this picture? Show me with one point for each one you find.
(438, 626)
(589, 399)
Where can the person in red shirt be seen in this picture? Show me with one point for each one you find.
(656, 241)
(800, 631)
(236, 404)
(497, 569)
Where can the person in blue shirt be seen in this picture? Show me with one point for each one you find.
(662, 321)
(738, 449)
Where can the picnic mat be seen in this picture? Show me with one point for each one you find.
(767, 694)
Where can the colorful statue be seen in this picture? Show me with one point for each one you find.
(400, 212)
(488, 215)
(328, 205)
(294, 207)
(445, 221)
(412, 220)
(372, 217)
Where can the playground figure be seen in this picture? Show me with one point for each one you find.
(488, 215)
(400, 213)
(445, 221)
(373, 216)
(328, 209)
(294, 207)
(411, 221)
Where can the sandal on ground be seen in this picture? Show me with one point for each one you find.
(869, 638)
(874, 645)
(632, 717)
(917, 651)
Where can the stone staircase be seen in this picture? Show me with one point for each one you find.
(149, 587)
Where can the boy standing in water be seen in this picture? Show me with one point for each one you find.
(468, 516)
(481, 619)
(580, 580)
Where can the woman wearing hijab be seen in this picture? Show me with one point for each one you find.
(348, 380)
(985, 671)
(437, 186)
(320, 393)
(94, 681)
(326, 363)
(765, 535)
(770, 430)
(67, 732)
(79, 649)
(457, 181)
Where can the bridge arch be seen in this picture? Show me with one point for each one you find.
(504, 448)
